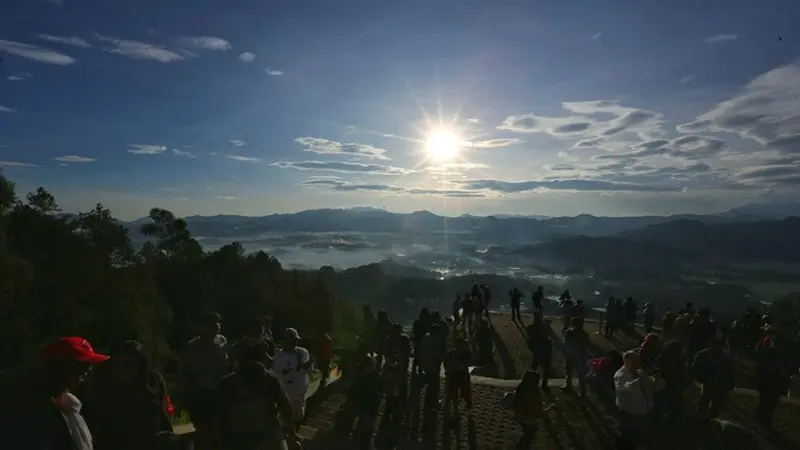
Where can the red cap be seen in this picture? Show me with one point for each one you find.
(73, 348)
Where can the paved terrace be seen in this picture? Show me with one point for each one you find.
(574, 424)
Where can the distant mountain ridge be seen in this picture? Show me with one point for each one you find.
(374, 220)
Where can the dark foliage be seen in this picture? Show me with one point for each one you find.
(80, 275)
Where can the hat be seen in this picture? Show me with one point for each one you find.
(73, 348)
(292, 332)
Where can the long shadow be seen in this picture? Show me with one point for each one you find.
(413, 415)
(472, 440)
(551, 430)
(568, 428)
(509, 368)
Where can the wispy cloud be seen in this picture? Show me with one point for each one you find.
(243, 158)
(510, 187)
(146, 149)
(68, 40)
(183, 153)
(6, 109)
(237, 143)
(494, 143)
(247, 57)
(343, 167)
(339, 185)
(721, 38)
(36, 53)
(329, 147)
(224, 197)
(273, 72)
(139, 50)
(207, 43)
(16, 164)
(20, 77)
(74, 159)
(687, 79)
(597, 35)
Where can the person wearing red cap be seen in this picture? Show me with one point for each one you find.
(44, 413)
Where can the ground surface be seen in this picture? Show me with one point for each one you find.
(574, 424)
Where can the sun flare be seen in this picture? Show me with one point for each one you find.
(442, 144)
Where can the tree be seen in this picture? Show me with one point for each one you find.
(42, 201)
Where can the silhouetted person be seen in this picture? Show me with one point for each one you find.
(456, 307)
(630, 311)
(650, 350)
(468, 311)
(528, 408)
(366, 392)
(398, 347)
(395, 388)
(579, 312)
(566, 313)
(43, 413)
(538, 298)
(483, 337)
(541, 346)
(486, 299)
(612, 317)
(323, 354)
(713, 369)
(634, 391)
(419, 329)
(672, 368)
(457, 381)
(253, 410)
(576, 356)
(772, 379)
(255, 336)
(649, 317)
(516, 297)
(431, 356)
(130, 407)
(203, 364)
(382, 327)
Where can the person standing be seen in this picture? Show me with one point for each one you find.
(129, 403)
(541, 347)
(634, 392)
(714, 370)
(457, 380)
(323, 354)
(202, 365)
(486, 296)
(538, 298)
(576, 356)
(253, 411)
(43, 413)
(516, 296)
(292, 364)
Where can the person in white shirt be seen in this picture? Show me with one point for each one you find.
(634, 392)
(292, 365)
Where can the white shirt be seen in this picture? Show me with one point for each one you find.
(287, 366)
(71, 410)
(634, 394)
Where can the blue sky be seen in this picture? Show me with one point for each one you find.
(559, 107)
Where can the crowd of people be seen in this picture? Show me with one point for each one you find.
(648, 382)
(251, 394)
(243, 395)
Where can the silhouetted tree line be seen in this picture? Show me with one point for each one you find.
(64, 275)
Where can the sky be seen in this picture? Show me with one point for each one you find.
(526, 107)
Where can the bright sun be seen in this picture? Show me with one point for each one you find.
(442, 144)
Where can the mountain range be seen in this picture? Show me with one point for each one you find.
(429, 258)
